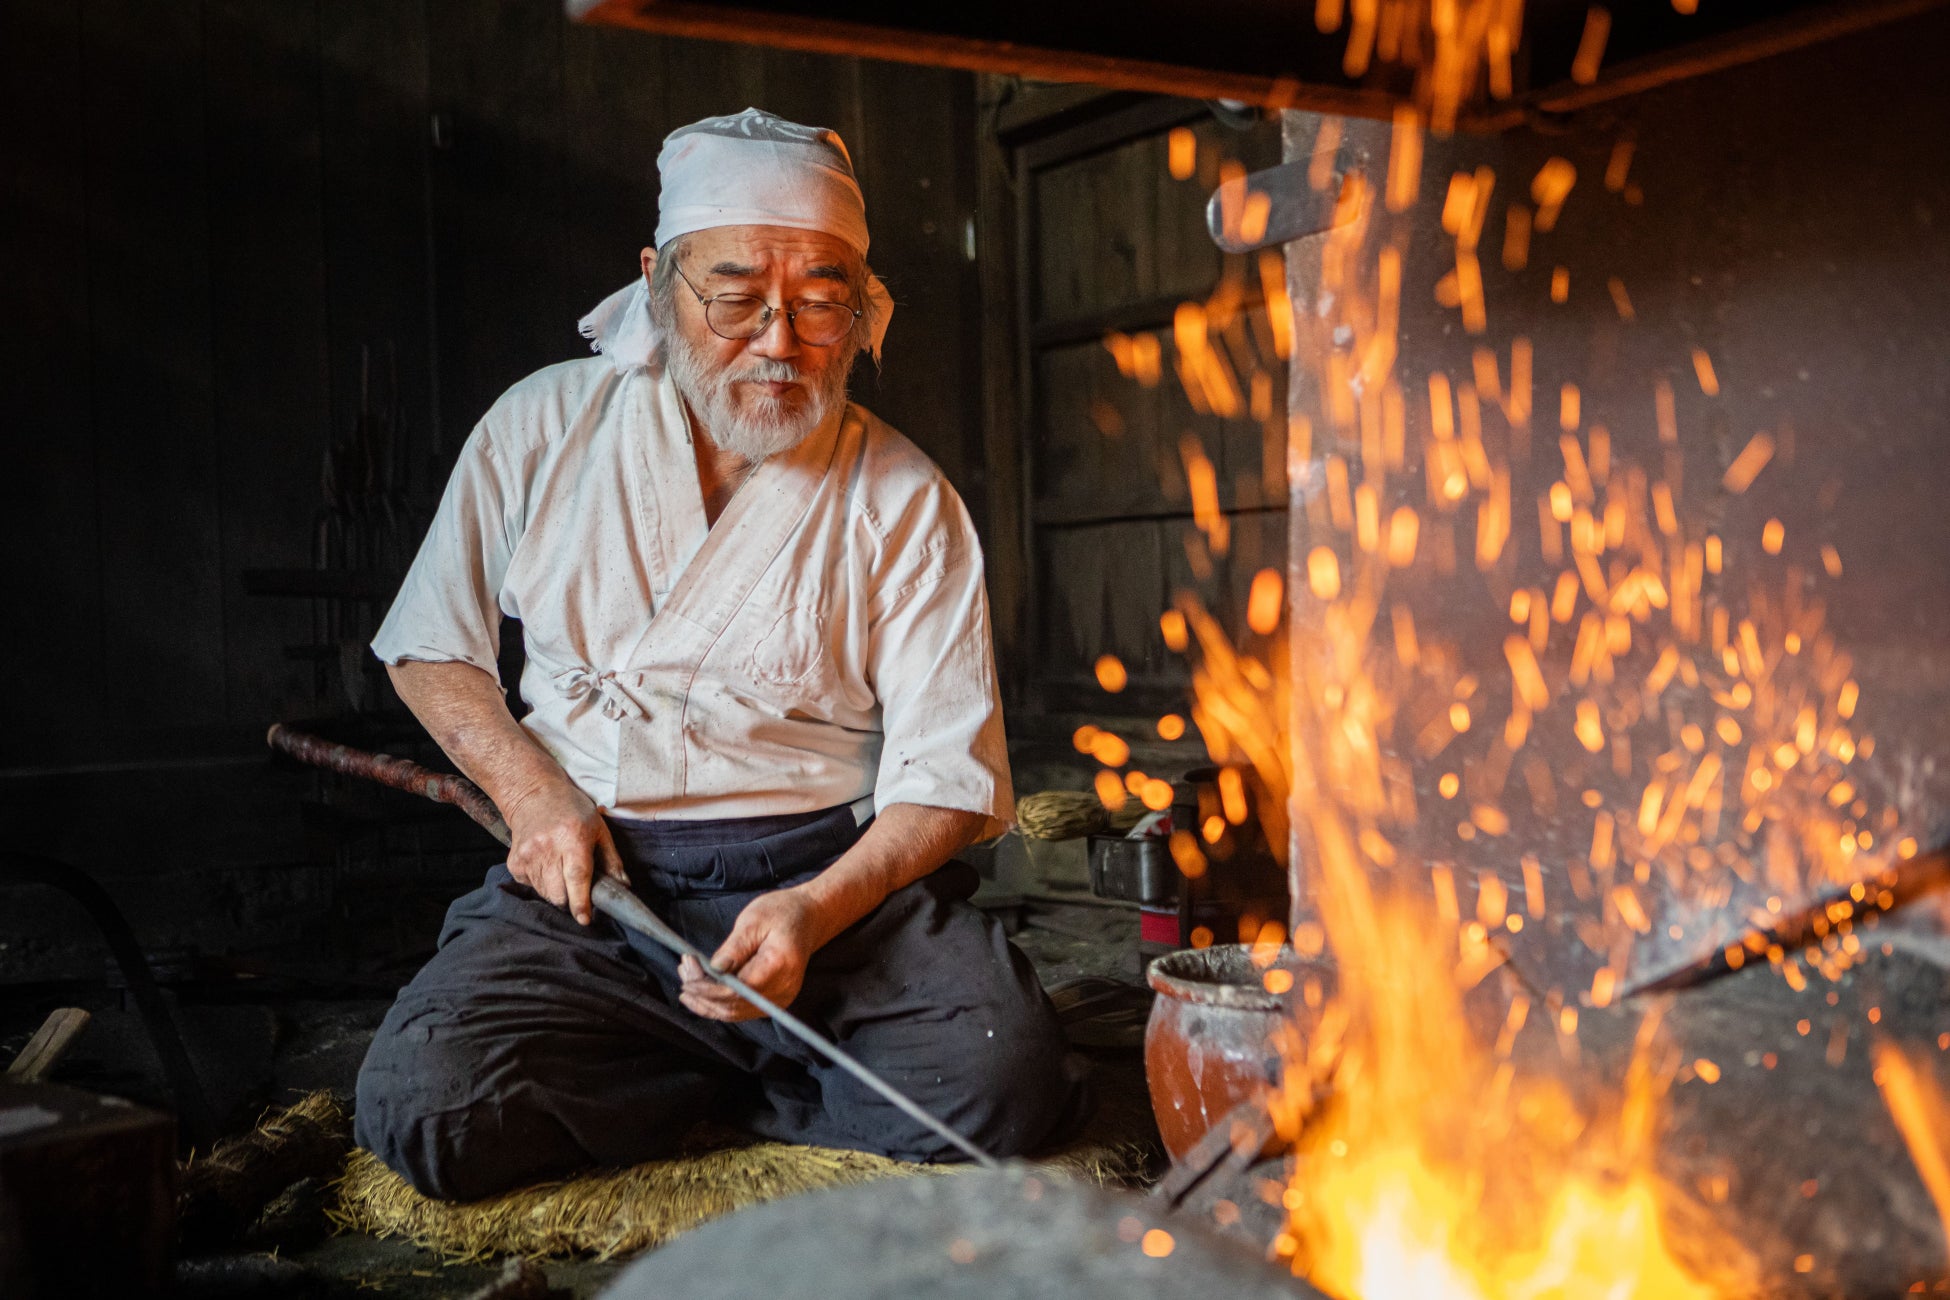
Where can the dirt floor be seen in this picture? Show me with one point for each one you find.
(261, 1034)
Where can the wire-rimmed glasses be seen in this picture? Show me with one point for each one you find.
(739, 316)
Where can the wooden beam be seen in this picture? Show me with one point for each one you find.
(755, 23)
(720, 22)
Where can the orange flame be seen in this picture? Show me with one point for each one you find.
(1428, 1163)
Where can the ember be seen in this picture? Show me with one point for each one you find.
(1699, 672)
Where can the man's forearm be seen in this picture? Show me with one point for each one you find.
(465, 712)
(905, 843)
(559, 843)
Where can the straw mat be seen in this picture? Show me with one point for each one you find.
(618, 1212)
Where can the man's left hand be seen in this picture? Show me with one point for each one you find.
(768, 948)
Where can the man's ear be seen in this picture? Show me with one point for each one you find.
(649, 260)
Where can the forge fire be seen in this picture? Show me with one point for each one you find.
(734, 648)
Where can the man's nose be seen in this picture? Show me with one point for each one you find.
(776, 341)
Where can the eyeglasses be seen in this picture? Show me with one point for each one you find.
(738, 316)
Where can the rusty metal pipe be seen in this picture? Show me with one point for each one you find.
(399, 773)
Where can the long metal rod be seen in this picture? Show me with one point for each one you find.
(624, 907)
(1902, 881)
(611, 898)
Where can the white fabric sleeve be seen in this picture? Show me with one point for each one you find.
(932, 662)
(448, 609)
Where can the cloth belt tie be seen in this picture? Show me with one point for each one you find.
(614, 701)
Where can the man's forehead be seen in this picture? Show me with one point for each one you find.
(758, 250)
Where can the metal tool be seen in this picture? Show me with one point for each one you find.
(611, 898)
(1274, 206)
(1244, 1134)
(1900, 882)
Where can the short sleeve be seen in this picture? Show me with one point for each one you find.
(448, 608)
(932, 662)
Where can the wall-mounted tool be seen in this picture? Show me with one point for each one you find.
(1268, 208)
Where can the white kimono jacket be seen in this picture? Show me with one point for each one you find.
(827, 640)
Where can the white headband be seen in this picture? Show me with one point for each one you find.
(749, 169)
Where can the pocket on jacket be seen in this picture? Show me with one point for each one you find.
(793, 650)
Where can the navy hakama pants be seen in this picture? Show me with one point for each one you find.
(531, 1046)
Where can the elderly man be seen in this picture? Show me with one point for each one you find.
(761, 693)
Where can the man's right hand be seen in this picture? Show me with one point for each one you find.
(559, 840)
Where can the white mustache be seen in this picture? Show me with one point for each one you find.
(769, 372)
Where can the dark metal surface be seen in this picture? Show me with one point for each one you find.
(1135, 870)
(1013, 1232)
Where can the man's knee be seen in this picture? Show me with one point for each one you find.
(418, 1108)
(1003, 1080)
(1018, 1084)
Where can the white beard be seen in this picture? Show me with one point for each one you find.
(739, 418)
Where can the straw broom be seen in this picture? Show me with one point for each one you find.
(1072, 814)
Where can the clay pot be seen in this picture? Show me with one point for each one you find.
(1209, 1043)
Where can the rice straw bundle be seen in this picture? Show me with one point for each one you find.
(223, 1193)
(1061, 815)
(618, 1212)
(1072, 814)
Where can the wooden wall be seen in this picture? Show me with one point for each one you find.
(211, 211)
(1109, 241)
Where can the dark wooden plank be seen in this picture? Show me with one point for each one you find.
(616, 113)
(504, 304)
(48, 511)
(1153, 313)
(1003, 419)
(1098, 438)
(268, 346)
(142, 106)
(1058, 241)
(1068, 456)
(1258, 542)
(1106, 588)
(1075, 620)
(1095, 246)
(374, 157)
(1187, 261)
(1190, 567)
(816, 89)
(710, 78)
(1045, 49)
(914, 155)
(1242, 453)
